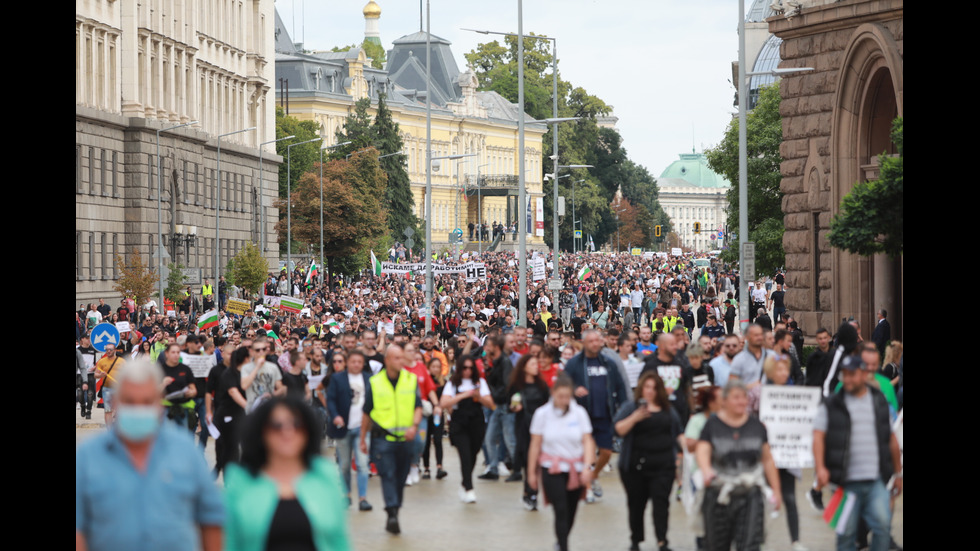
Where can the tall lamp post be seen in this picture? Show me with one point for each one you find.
(555, 211)
(289, 207)
(217, 210)
(321, 203)
(160, 208)
(479, 209)
(265, 238)
(574, 239)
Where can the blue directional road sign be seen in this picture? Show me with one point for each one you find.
(103, 334)
(458, 232)
(721, 234)
(578, 234)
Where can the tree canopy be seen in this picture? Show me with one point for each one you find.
(871, 217)
(302, 156)
(579, 142)
(374, 51)
(249, 268)
(137, 280)
(764, 133)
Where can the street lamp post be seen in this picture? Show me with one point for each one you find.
(521, 182)
(265, 238)
(321, 203)
(217, 210)
(574, 239)
(479, 209)
(289, 208)
(160, 208)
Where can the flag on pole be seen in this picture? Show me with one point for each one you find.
(591, 243)
(839, 510)
(375, 265)
(584, 273)
(207, 320)
(290, 304)
(312, 273)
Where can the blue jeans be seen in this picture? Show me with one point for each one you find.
(500, 427)
(393, 460)
(350, 443)
(420, 440)
(873, 506)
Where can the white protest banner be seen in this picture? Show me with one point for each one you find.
(537, 269)
(123, 327)
(290, 304)
(472, 271)
(200, 364)
(648, 255)
(634, 366)
(676, 251)
(788, 413)
(270, 301)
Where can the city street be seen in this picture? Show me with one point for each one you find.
(433, 518)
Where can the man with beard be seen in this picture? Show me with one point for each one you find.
(671, 369)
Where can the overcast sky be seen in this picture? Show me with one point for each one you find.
(665, 66)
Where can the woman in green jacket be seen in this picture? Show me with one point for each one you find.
(283, 495)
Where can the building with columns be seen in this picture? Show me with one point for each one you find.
(323, 86)
(691, 192)
(836, 122)
(141, 67)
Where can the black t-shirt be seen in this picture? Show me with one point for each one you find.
(295, 384)
(777, 299)
(677, 381)
(734, 450)
(183, 377)
(701, 377)
(654, 442)
(214, 379)
(290, 528)
(577, 324)
(227, 407)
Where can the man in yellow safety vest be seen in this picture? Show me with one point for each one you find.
(207, 294)
(392, 413)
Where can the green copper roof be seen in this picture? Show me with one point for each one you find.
(693, 169)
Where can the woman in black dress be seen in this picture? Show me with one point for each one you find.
(528, 391)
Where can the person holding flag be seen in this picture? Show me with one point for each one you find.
(311, 275)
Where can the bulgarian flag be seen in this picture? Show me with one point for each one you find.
(584, 273)
(311, 273)
(375, 265)
(207, 320)
(839, 510)
(290, 304)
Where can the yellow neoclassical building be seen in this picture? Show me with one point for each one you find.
(323, 86)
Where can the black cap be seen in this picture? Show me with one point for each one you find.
(852, 362)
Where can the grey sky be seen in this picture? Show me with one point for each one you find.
(664, 66)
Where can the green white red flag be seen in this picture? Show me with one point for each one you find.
(375, 265)
(207, 320)
(584, 273)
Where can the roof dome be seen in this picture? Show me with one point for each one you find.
(372, 10)
(693, 169)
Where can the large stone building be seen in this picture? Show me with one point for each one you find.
(836, 121)
(691, 192)
(323, 86)
(141, 67)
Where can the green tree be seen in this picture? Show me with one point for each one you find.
(174, 291)
(871, 217)
(249, 269)
(357, 130)
(399, 199)
(303, 156)
(764, 133)
(354, 216)
(137, 279)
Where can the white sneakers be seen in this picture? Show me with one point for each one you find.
(467, 496)
(413, 476)
(502, 469)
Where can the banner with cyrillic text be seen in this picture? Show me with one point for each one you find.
(472, 271)
(788, 413)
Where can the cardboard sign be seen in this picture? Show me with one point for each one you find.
(199, 364)
(788, 413)
(123, 327)
(676, 251)
(237, 306)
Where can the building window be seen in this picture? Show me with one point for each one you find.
(115, 174)
(115, 255)
(91, 255)
(78, 255)
(103, 172)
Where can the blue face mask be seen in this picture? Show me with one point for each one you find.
(137, 423)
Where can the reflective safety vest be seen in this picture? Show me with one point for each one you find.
(207, 290)
(669, 323)
(394, 408)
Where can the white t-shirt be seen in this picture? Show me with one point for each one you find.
(465, 386)
(561, 434)
(357, 400)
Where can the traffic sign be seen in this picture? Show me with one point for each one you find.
(578, 234)
(636, 251)
(103, 334)
(721, 234)
(457, 232)
(713, 237)
(409, 243)
(554, 284)
(746, 263)
(409, 232)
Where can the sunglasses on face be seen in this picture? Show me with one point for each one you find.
(279, 426)
(262, 349)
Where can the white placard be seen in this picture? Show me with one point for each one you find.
(123, 327)
(788, 413)
(200, 364)
(676, 251)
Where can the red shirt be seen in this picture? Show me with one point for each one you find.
(551, 373)
(426, 384)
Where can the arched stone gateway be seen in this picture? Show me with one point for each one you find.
(836, 121)
(869, 97)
